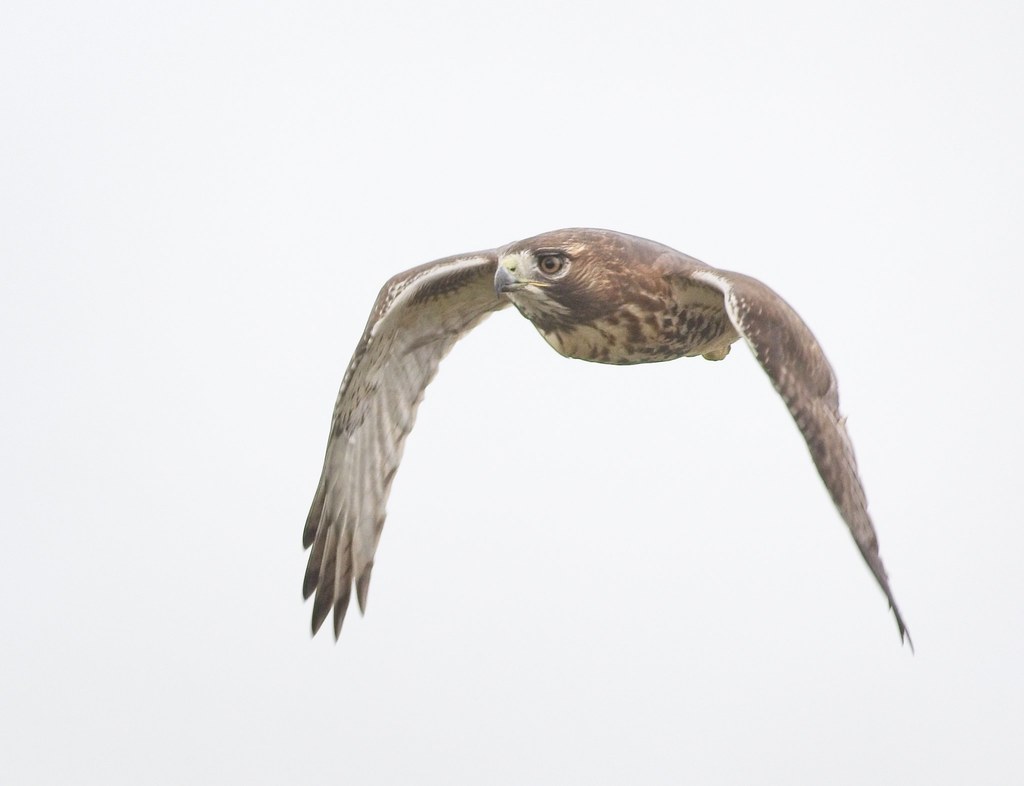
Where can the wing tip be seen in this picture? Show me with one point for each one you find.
(363, 587)
(324, 604)
(313, 518)
(320, 611)
(340, 608)
(904, 631)
(309, 582)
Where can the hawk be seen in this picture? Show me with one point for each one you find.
(594, 295)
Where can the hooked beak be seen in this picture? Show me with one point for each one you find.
(504, 281)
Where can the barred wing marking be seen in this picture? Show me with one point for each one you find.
(798, 369)
(416, 320)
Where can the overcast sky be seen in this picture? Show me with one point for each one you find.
(590, 574)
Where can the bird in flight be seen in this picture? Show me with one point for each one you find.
(595, 295)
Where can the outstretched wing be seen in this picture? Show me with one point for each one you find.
(418, 317)
(797, 367)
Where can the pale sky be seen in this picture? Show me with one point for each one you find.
(589, 574)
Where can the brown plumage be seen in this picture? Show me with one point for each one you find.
(593, 295)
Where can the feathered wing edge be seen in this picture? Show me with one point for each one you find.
(417, 318)
(801, 374)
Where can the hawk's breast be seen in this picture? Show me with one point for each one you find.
(643, 335)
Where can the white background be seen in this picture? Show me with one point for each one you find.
(589, 574)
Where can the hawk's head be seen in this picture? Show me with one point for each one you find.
(568, 276)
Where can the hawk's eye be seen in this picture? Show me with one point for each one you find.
(550, 264)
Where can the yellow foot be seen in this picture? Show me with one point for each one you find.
(718, 354)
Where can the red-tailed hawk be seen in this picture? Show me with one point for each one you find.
(594, 295)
